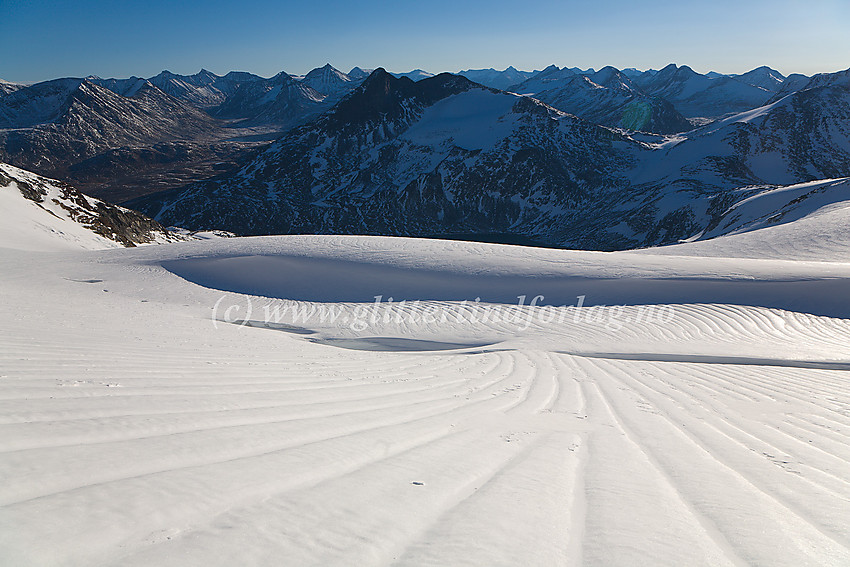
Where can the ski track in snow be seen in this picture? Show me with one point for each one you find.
(135, 432)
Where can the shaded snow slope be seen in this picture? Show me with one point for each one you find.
(309, 268)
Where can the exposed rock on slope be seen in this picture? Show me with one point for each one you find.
(41, 213)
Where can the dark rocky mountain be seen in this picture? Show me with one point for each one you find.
(443, 155)
(64, 121)
(610, 98)
(121, 138)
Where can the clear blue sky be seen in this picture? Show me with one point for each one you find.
(42, 39)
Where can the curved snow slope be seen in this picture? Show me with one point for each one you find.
(41, 214)
(27, 225)
(808, 221)
(139, 427)
(356, 269)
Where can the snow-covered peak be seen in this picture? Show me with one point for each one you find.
(203, 89)
(37, 104)
(329, 81)
(123, 87)
(764, 77)
(545, 79)
(612, 78)
(696, 95)
(632, 72)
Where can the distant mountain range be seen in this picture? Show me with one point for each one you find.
(119, 138)
(602, 159)
(446, 155)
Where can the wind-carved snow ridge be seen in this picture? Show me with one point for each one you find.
(243, 400)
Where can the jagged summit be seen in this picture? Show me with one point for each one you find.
(701, 96)
(606, 97)
(383, 96)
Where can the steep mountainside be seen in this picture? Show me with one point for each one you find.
(281, 100)
(43, 214)
(121, 138)
(109, 145)
(122, 87)
(696, 95)
(331, 82)
(51, 126)
(441, 155)
(204, 89)
(802, 137)
(435, 156)
(689, 183)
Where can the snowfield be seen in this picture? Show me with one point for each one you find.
(261, 401)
